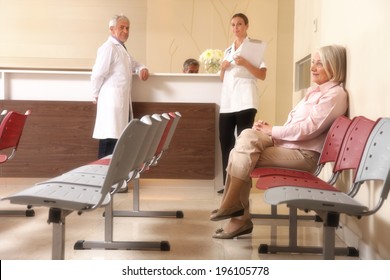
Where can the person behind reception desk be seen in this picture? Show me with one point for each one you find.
(295, 145)
(239, 97)
(191, 66)
(111, 85)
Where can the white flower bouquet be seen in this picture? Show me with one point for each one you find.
(211, 59)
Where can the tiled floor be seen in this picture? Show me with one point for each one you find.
(24, 238)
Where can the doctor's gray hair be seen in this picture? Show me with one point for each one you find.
(114, 20)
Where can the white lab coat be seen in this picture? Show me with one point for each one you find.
(239, 87)
(111, 82)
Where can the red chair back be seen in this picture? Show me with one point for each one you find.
(11, 129)
(353, 146)
(334, 140)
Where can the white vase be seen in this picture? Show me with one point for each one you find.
(212, 68)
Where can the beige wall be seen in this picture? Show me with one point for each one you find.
(362, 27)
(63, 33)
(284, 65)
(181, 29)
(66, 34)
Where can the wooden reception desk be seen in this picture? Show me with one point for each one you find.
(57, 136)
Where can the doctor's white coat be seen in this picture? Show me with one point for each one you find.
(111, 81)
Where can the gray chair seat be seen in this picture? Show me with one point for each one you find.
(72, 196)
(321, 200)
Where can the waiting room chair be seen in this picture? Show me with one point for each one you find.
(348, 158)
(330, 203)
(99, 167)
(163, 145)
(158, 140)
(87, 191)
(11, 129)
(328, 155)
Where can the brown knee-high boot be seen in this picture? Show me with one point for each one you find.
(244, 197)
(240, 225)
(231, 205)
(244, 194)
(227, 183)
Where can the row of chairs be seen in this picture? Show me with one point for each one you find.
(171, 119)
(359, 145)
(94, 185)
(342, 128)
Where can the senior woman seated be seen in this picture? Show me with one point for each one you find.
(297, 144)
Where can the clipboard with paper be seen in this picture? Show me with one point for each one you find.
(253, 51)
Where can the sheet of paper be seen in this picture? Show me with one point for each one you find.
(253, 51)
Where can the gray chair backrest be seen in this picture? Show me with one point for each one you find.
(375, 162)
(124, 157)
(176, 116)
(144, 149)
(164, 119)
(150, 140)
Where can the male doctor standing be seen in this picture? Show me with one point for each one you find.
(111, 85)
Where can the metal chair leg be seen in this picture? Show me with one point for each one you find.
(136, 212)
(328, 250)
(110, 244)
(57, 218)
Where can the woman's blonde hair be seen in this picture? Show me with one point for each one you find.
(334, 59)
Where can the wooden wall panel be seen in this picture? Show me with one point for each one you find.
(192, 151)
(58, 137)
